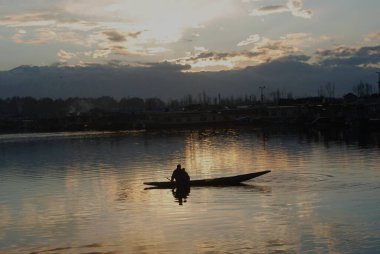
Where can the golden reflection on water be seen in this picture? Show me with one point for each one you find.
(88, 203)
(208, 155)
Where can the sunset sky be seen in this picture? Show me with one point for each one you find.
(208, 35)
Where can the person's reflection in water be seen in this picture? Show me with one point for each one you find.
(182, 184)
(181, 194)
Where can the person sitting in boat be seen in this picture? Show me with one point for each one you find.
(176, 173)
(181, 177)
(185, 178)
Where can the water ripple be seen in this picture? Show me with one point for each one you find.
(83, 193)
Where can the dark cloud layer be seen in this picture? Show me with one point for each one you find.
(348, 56)
(166, 80)
(216, 56)
(291, 72)
(166, 66)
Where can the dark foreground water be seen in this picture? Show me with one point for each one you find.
(83, 193)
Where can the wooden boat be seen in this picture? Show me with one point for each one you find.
(221, 181)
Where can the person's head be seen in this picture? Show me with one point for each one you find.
(179, 166)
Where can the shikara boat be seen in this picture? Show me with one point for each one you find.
(221, 181)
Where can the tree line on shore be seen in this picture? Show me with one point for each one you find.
(48, 107)
(20, 114)
(29, 107)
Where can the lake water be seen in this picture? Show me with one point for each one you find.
(83, 193)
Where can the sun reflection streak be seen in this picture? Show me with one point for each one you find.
(218, 154)
(96, 198)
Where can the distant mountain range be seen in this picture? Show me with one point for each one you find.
(166, 80)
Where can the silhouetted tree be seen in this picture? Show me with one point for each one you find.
(154, 104)
(131, 105)
(330, 90)
(107, 104)
(362, 89)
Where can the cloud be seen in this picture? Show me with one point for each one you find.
(163, 22)
(264, 51)
(251, 39)
(101, 44)
(115, 36)
(48, 18)
(98, 53)
(41, 36)
(131, 18)
(200, 49)
(156, 50)
(349, 56)
(373, 36)
(165, 79)
(295, 7)
(109, 50)
(119, 50)
(106, 52)
(337, 51)
(216, 56)
(46, 35)
(269, 9)
(64, 56)
(29, 19)
(141, 31)
(216, 61)
(135, 34)
(112, 27)
(167, 66)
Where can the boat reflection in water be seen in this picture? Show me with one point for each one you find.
(59, 192)
(181, 194)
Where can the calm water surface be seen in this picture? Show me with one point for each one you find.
(83, 193)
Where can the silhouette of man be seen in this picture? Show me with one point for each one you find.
(176, 173)
(181, 177)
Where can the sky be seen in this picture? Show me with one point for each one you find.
(205, 34)
(198, 35)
